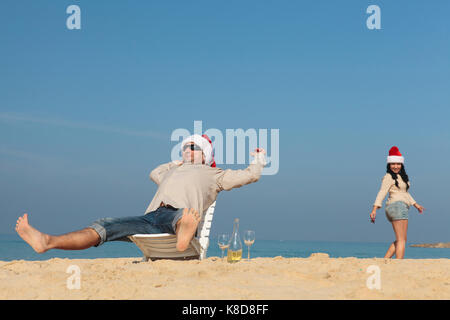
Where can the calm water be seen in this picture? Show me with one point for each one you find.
(13, 248)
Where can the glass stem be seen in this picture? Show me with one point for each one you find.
(248, 253)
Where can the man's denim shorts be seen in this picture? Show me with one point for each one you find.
(397, 211)
(162, 220)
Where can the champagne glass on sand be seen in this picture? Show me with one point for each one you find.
(249, 239)
(223, 242)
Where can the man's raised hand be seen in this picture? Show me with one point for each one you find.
(258, 150)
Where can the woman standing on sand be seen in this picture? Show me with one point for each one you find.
(396, 183)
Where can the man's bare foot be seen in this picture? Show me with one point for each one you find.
(186, 228)
(36, 239)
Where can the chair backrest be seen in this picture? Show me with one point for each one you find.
(204, 229)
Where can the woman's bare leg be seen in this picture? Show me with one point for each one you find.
(42, 242)
(401, 230)
(391, 251)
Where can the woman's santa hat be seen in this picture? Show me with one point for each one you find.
(395, 156)
(204, 142)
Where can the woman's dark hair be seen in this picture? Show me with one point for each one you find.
(402, 174)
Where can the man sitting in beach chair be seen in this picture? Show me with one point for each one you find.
(185, 188)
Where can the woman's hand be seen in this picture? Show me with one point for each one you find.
(419, 208)
(373, 215)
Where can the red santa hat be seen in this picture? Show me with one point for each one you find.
(204, 142)
(395, 156)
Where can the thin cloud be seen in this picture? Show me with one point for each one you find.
(24, 155)
(12, 117)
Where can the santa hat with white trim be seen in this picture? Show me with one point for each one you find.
(395, 156)
(204, 142)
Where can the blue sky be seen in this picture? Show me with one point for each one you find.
(85, 115)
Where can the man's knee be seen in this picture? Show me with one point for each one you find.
(93, 235)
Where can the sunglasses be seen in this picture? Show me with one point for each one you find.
(193, 147)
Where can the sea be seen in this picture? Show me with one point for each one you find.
(12, 247)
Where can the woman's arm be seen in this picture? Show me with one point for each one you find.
(418, 207)
(386, 184)
(373, 214)
(413, 203)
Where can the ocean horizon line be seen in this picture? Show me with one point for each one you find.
(10, 235)
(12, 247)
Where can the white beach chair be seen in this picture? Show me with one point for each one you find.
(163, 245)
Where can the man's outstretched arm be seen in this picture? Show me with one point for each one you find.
(229, 179)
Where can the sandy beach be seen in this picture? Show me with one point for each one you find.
(316, 277)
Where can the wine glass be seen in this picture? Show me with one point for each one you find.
(223, 242)
(249, 238)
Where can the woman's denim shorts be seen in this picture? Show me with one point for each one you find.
(162, 220)
(397, 211)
